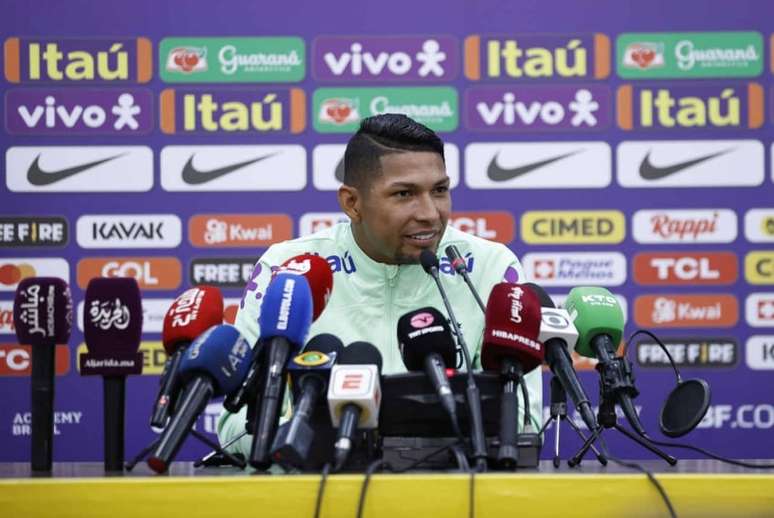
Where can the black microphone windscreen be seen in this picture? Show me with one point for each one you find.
(428, 260)
(361, 353)
(545, 299)
(324, 343)
(43, 311)
(423, 332)
(684, 408)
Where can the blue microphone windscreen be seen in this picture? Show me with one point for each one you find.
(286, 309)
(221, 353)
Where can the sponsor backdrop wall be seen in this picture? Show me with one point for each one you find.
(612, 143)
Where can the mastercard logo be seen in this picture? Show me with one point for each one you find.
(12, 274)
(15, 269)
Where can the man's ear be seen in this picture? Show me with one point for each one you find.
(350, 202)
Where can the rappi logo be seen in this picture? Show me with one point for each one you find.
(6, 318)
(239, 230)
(684, 226)
(675, 310)
(16, 360)
(151, 273)
(686, 268)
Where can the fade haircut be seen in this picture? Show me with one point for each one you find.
(383, 135)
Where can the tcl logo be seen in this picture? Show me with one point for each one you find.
(151, 273)
(679, 268)
(684, 226)
(495, 226)
(16, 360)
(672, 310)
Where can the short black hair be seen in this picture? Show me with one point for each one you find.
(382, 135)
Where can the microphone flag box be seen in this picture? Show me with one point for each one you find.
(355, 384)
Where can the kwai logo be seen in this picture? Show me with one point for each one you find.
(128, 231)
(689, 54)
(759, 225)
(15, 269)
(684, 226)
(74, 60)
(339, 110)
(524, 57)
(385, 58)
(718, 310)
(695, 106)
(230, 110)
(575, 268)
(232, 60)
(87, 111)
(690, 163)
(239, 230)
(33, 231)
(502, 108)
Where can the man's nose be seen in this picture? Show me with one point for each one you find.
(427, 210)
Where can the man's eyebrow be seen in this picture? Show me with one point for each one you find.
(411, 185)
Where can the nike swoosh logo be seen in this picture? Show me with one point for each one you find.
(648, 171)
(193, 176)
(501, 174)
(340, 170)
(38, 177)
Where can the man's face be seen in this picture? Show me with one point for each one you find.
(405, 209)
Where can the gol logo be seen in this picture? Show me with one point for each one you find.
(239, 230)
(573, 227)
(495, 226)
(759, 267)
(674, 310)
(151, 273)
(153, 357)
(685, 268)
(16, 360)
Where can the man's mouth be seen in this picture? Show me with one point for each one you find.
(422, 238)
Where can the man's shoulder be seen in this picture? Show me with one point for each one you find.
(326, 241)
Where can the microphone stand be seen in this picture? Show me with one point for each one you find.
(217, 450)
(559, 414)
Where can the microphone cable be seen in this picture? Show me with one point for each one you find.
(682, 445)
(321, 489)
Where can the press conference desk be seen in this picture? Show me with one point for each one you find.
(81, 490)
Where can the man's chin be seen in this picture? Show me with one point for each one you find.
(412, 256)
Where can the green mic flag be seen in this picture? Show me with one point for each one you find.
(594, 311)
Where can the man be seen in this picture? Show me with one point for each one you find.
(396, 194)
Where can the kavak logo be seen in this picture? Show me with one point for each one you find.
(688, 352)
(677, 310)
(339, 110)
(254, 111)
(760, 352)
(16, 360)
(575, 268)
(233, 168)
(697, 106)
(689, 54)
(312, 222)
(759, 225)
(573, 227)
(79, 169)
(759, 309)
(33, 231)
(538, 165)
(151, 273)
(385, 58)
(222, 272)
(684, 226)
(15, 269)
(128, 231)
(537, 108)
(82, 111)
(328, 166)
(690, 163)
(6, 318)
(232, 60)
(759, 267)
(494, 226)
(153, 313)
(685, 268)
(78, 60)
(239, 230)
(526, 57)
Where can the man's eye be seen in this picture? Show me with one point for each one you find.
(402, 194)
(442, 189)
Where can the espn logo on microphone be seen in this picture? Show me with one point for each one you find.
(352, 381)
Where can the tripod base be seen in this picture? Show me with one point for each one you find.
(217, 450)
(576, 460)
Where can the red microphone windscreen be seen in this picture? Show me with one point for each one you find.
(191, 314)
(318, 274)
(512, 327)
(43, 311)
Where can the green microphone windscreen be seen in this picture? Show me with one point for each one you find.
(594, 311)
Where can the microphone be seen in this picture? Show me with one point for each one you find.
(43, 315)
(211, 366)
(112, 328)
(459, 265)
(354, 396)
(429, 263)
(511, 347)
(599, 320)
(559, 336)
(286, 314)
(425, 342)
(192, 313)
(309, 372)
